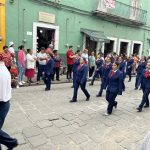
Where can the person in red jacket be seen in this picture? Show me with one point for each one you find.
(70, 61)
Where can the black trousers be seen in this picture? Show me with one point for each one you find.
(91, 71)
(56, 72)
(129, 73)
(47, 81)
(110, 97)
(41, 69)
(69, 71)
(5, 139)
(145, 99)
(83, 88)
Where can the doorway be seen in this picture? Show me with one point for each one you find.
(45, 37)
(90, 45)
(45, 34)
(108, 48)
(136, 48)
(124, 48)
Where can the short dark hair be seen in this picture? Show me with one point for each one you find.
(4, 47)
(21, 47)
(42, 48)
(117, 63)
(28, 50)
(70, 46)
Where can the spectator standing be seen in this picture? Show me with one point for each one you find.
(57, 60)
(5, 96)
(92, 63)
(70, 61)
(42, 58)
(7, 58)
(30, 67)
(12, 50)
(21, 64)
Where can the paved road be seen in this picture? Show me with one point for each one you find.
(47, 121)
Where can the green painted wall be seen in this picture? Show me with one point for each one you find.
(22, 14)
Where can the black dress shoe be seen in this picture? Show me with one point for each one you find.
(13, 146)
(115, 105)
(139, 109)
(47, 89)
(91, 84)
(135, 88)
(88, 98)
(72, 101)
(146, 106)
(72, 86)
(129, 81)
(98, 95)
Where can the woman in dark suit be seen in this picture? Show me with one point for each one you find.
(80, 80)
(114, 87)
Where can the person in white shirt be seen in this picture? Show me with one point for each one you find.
(12, 50)
(85, 55)
(42, 59)
(30, 66)
(5, 96)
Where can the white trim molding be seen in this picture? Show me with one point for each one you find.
(45, 25)
(141, 47)
(114, 46)
(128, 48)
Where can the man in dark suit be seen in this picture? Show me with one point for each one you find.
(49, 68)
(114, 87)
(80, 80)
(145, 85)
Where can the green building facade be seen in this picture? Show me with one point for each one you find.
(121, 26)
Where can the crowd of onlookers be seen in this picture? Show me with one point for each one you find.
(24, 62)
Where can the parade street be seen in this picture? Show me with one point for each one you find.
(47, 121)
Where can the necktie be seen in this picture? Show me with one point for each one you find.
(79, 67)
(146, 74)
(112, 74)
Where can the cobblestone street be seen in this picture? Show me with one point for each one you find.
(47, 121)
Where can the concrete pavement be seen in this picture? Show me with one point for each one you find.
(47, 121)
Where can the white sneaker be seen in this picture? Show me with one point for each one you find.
(23, 82)
(20, 83)
(17, 86)
(106, 114)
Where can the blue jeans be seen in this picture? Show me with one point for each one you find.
(21, 72)
(5, 139)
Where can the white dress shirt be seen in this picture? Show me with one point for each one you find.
(5, 83)
(30, 61)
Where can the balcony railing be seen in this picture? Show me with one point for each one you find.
(122, 13)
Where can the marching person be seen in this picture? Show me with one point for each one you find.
(48, 73)
(141, 67)
(81, 79)
(145, 85)
(114, 87)
(98, 71)
(75, 66)
(5, 96)
(130, 63)
(122, 68)
(105, 72)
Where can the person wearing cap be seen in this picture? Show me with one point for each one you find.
(80, 80)
(5, 96)
(11, 48)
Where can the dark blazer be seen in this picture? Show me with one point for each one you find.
(144, 81)
(82, 73)
(75, 65)
(130, 63)
(105, 71)
(49, 68)
(141, 67)
(99, 63)
(115, 83)
(122, 68)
